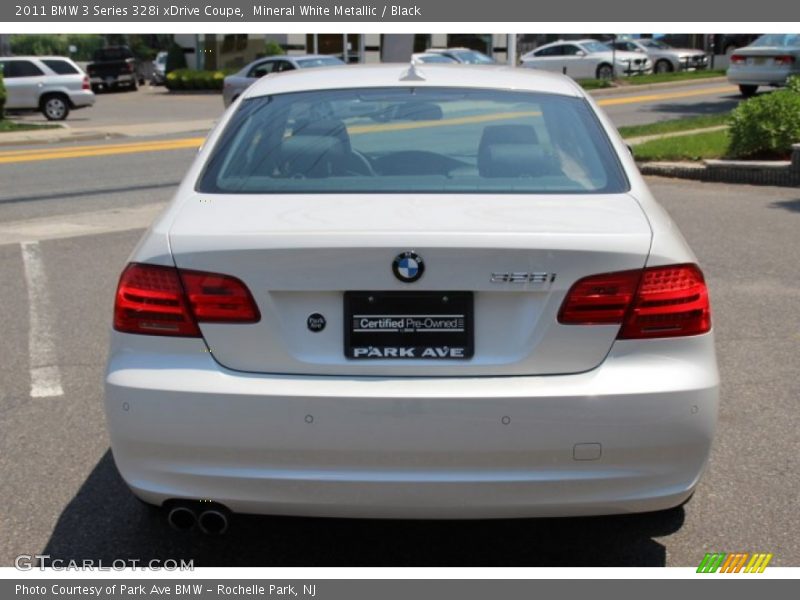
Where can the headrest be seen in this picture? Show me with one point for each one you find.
(332, 128)
(510, 151)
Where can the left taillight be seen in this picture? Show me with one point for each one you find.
(158, 300)
(86, 85)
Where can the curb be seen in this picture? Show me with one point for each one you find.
(782, 173)
(627, 89)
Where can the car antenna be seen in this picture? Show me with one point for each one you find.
(412, 74)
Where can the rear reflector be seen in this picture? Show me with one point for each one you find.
(157, 300)
(655, 302)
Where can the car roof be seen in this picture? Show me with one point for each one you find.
(432, 75)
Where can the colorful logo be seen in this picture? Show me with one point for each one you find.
(736, 562)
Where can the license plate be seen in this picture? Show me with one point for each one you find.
(408, 325)
(758, 60)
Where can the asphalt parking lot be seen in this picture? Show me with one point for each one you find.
(62, 495)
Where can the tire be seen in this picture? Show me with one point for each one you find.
(663, 66)
(748, 91)
(55, 107)
(604, 71)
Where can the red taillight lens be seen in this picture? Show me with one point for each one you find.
(156, 300)
(599, 299)
(671, 301)
(85, 85)
(218, 298)
(784, 60)
(656, 302)
(738, 59)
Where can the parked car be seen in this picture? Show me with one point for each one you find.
(664, 57)
(476, 309)
(159, 76)
(235, 84)
(113, 67)
(586, 59)
(431, 57)
(465, 56)
(53, 85)
(770, 60)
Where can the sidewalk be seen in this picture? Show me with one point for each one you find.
(85, 134)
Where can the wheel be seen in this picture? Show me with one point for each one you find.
(748, 90)
(605, 71)
(55, 107)
(663, 66)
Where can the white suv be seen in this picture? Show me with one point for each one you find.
(52, 84)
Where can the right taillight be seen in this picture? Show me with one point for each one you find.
(655, 302)
(159, 300)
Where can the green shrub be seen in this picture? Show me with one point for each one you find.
(273, 48)
(2, 96)
(766, 126)
(189, 79)
(793, 84)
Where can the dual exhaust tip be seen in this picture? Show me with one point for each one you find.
(211, 521)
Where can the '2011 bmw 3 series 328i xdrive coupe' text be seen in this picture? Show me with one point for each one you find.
(412, 292)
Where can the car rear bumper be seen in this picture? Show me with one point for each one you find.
(127, 78)
(82, 98)
(632, 435)
(745, 75)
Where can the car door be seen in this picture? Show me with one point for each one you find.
(576, 63)
(23, 81)
(548, 59)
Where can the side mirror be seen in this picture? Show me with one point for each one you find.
(581, 53)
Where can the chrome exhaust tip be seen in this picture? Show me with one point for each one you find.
(181, 518)
(213, 522)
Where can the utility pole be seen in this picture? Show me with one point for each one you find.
(511, 49)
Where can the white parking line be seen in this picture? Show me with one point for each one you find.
(45, 375)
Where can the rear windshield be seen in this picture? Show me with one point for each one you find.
(423, 140)
(778, 39)
(322, 61)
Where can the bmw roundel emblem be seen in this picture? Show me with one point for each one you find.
(408, 267)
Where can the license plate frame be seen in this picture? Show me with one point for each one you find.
(399, 326)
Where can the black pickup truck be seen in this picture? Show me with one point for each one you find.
(113, 67)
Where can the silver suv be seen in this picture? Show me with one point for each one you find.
(53, 85)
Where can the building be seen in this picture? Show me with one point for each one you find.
(232, 51)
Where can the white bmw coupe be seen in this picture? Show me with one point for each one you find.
(412, 292)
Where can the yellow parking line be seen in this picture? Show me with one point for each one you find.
(665, 96)
(85, 151)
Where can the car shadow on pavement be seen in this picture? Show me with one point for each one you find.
(790, 205)
(678, 110)
(105, 522)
